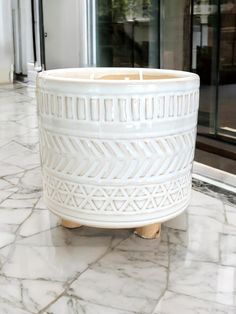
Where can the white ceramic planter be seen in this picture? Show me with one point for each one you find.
(117, 145)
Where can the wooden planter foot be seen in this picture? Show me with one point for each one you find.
(149, 232)
(70, 224)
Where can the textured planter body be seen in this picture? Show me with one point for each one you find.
(117, 153)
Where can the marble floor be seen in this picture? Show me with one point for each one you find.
(47, 269)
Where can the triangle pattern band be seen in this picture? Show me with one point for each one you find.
(110, 199)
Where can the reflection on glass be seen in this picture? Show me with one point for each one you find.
(175, 34)
(127, 33)
(227, 68)
(204, 60)
(214, 59)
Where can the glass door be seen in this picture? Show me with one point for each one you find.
(214, 60)
(205, 61)
(127, 33)
(226, 115)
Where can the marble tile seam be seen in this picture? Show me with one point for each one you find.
(25, 147)
(6, 198)
(70, 282)
(167, 279)
(2, 275)
(13, 243)
(192, 297)
(94, 303)
(26, 311)
(16, 236)
(29, 205)
(21, 238)
(21, 301)
(4, 177)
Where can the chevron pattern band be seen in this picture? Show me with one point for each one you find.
(107, 155)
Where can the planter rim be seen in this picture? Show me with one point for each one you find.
(57, 75)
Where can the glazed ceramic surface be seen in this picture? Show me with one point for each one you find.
(117, 145)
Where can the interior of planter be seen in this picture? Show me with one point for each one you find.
(114, 74)
(136, 77)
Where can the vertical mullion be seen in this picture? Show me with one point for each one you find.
(217, 65)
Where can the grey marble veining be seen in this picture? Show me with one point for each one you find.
(47, 269)
(203, 280)
(131, 277)
(211, 190)
(72, 305)
(228, 249)
(172, 303)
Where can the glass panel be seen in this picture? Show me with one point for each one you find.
(227, 68)
(128, 33)
(175, 34)
(204, 61)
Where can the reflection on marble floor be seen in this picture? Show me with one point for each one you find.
(47, 269)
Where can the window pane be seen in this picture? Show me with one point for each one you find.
(175, 34)
(205, 61)
(127, 33)
(227, 68)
